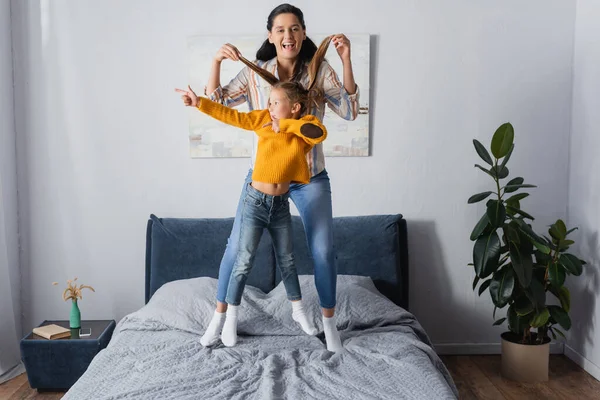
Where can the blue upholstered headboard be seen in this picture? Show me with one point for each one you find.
(374, 246)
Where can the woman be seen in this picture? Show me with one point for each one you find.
(286, 54)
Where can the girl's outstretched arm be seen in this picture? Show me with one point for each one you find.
(250, 121)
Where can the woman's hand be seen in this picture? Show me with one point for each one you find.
(342, 45)
(188, 96)
(228, 51)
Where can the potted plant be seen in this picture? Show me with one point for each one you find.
(518, 267)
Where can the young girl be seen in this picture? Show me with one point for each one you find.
(284, 140)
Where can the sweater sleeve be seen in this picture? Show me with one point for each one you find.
(252, 120)
(309, 128)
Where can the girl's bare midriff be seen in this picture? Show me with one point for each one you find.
(273, 189)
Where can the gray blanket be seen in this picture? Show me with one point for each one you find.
(155, 352)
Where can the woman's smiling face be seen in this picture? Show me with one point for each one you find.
(287, 35)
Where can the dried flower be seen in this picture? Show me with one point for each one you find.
(72, 291)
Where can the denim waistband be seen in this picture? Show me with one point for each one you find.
(257, 194)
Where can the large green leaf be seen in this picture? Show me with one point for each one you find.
(484, 286)
(499, 172)
(511, 230)
(496, 213)
(532, 236)
(507, 157)
(562, 228)
(517, 197)
(483, 153)
(486, 253)
(565, 298)
(480, 227)
(511, 206)
(563, 295)
(514, 181)
(571, 263)
(558, 230)
(541, 318)
(478, 197)
(523, 306)
(560, 316)
(502, 286)
(517, 324)
(522, 213)
(522, 264)
(565, 244)
(502, 140)
(556, 274)
(512, 188)
(542, 248)
(500, 321)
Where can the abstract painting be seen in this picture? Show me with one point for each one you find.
(210, 138)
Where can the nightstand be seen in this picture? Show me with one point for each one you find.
(57, 364)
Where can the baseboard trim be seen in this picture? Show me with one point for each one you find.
(12, 373)
(483, 348)
(583, 362)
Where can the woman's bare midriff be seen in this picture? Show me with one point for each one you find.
(273, 189)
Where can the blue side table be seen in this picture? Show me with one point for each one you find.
(55, 365)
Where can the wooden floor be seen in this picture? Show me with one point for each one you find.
(18, 388)
(477, 377)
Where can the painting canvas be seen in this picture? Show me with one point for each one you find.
(211, 138)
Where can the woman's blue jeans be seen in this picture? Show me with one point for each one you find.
(313, 201)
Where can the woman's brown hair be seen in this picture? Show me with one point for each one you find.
(307, 94)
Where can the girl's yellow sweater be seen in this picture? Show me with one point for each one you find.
(281, 157)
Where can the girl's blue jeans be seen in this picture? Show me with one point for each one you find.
(313, 201)
(262, 211)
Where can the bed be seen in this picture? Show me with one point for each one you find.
(155, 352)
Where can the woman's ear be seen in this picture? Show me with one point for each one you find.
(269, 37)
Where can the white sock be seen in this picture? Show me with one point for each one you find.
(300, 317)
(332, 336)
(229, 334)
(211, 336)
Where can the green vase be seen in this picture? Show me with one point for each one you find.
(75, 319)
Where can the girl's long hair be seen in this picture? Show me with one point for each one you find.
(314, 94)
